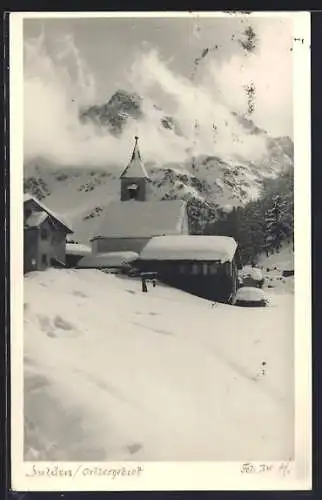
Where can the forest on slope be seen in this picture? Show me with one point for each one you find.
(262, 225)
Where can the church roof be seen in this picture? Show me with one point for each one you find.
(135, 168)
(140, 219)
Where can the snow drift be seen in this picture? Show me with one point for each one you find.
(115, 374)
(250, 294)
(77, 249)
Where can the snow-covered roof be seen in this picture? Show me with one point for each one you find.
(36, 219)
(140, 219)
(110, 259)
(28, 197)
(77, 249)
(190, 247)
(135, 168)
(252, 272)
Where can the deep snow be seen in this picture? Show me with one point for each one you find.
(112, 373)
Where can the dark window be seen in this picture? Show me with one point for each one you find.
(44, 234)
(195, 269)
(133, 191)
(44, 259)
(205, 269)
(183, 269)
(213, 268)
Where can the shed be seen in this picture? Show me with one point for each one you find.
(204, 265)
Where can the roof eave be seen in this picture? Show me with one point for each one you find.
(29, 197)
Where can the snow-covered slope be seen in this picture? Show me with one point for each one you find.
(112, 373)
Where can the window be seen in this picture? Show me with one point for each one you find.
(133, 191)
(44, 259)
(205, 268)
(195, 269)
(182, 269)
(44, 234)
(213, 268)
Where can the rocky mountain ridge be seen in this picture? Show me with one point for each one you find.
(211, 184)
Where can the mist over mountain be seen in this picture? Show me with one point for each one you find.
(195, 143)
(210, 184)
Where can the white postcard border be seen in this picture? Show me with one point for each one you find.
(171, 475)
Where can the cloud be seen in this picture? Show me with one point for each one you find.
(206, 122)
(269, 69)
(58, 83)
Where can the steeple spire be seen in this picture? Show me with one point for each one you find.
(136, 151)
(135, 168)
(134, 178)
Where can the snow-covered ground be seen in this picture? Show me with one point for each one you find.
(112, 373)
(282, 260)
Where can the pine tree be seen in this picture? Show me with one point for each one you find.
(277, 224)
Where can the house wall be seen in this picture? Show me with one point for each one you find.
(42, 251)
(28, 207)
(59, 245)
(101, 245)
(53, 247)
(30, 250)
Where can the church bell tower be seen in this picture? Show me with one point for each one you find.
(134, 179)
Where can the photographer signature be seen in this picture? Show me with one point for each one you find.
(249, 468)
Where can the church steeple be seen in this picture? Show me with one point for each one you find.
(136, 152)
(135, 168)
(134, 177)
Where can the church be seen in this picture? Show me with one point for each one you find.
(129, 224)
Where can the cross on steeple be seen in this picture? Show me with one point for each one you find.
(136, 151)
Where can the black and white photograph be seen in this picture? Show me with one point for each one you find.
(159, 237)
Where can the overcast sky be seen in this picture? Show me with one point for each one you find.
(109, 46)
(155, 57)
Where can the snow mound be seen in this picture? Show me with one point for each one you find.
(250, 294)
(252, 272)
(77, 249)
(109, 259)
(282, 260)
(114, 374)
(190, 247)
